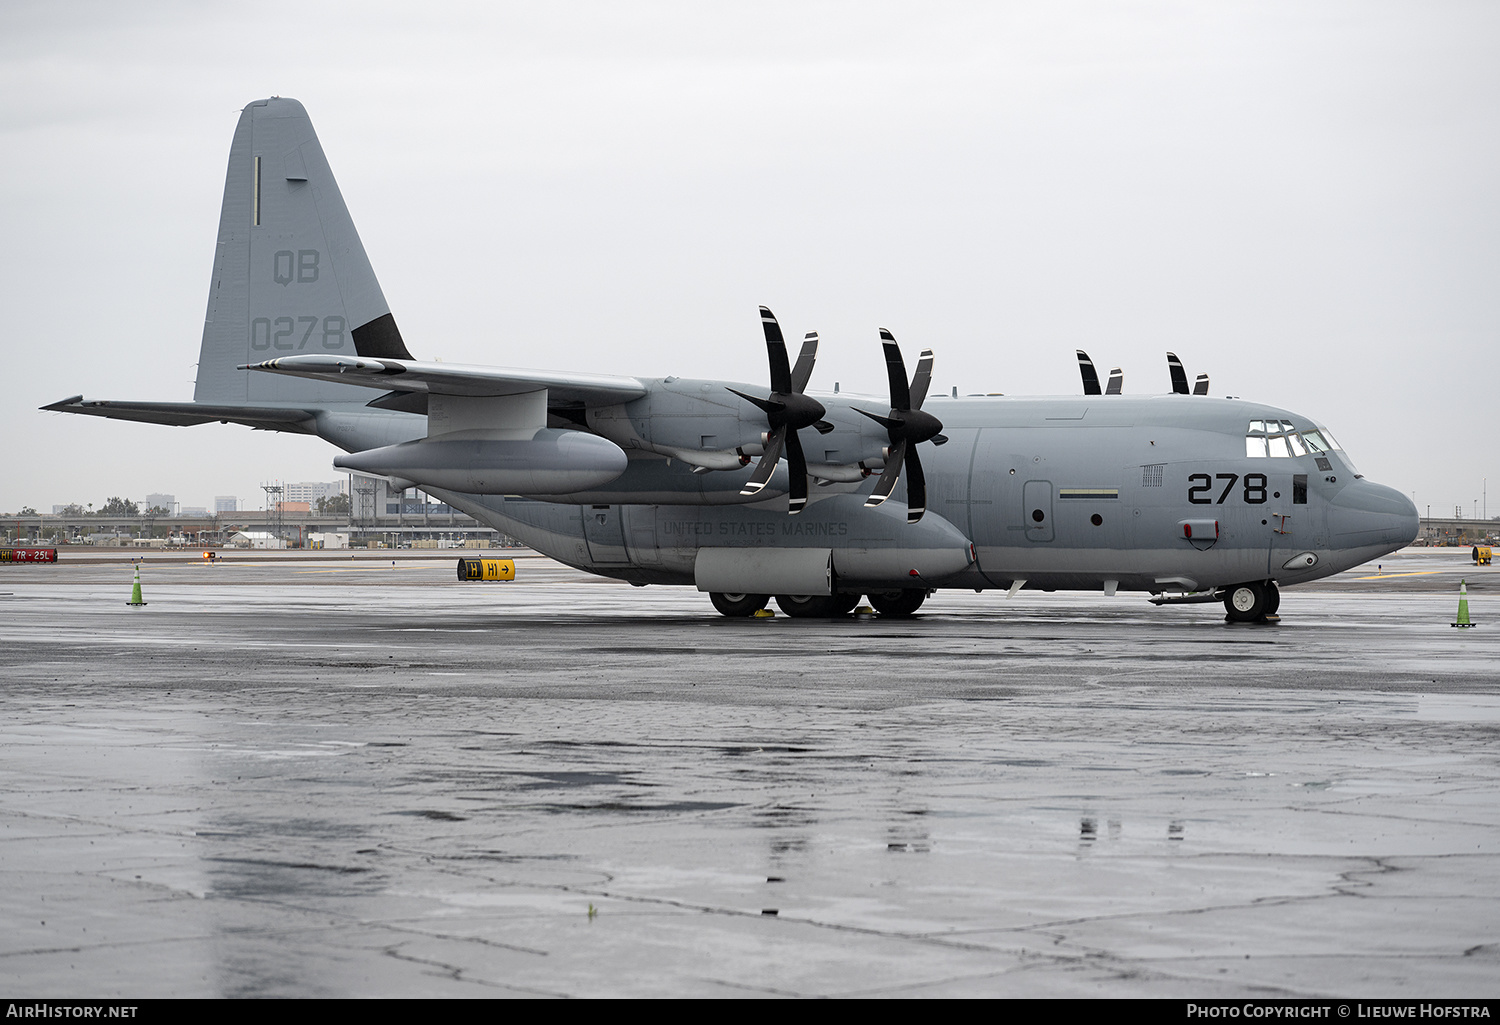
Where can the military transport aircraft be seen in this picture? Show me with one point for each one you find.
(750, 491)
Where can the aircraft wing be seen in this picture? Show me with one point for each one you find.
(563, 387)
(190, 414)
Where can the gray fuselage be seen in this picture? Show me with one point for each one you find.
(1075, 493)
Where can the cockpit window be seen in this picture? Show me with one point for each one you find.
(1280, 439)
(1315, 442)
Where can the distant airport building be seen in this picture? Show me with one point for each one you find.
(311, 491)
(255, 539)
(226, 503)
(166, 502)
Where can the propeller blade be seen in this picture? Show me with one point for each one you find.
(767, 466)
(895, 369)
(767, 406)
(916, 487)
(1200, 386)
(1179, 376)
(888, 476)
(1116, 382)
(1090, 375)
(796, 465)
(921, 379)
(781, 372)
(802, 372)
(884, 421)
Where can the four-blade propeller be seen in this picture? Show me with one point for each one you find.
(787, 411)
(907, 426)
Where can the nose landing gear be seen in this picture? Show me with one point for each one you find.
(1251, 602)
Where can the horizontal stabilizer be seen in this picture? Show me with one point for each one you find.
(190, 414)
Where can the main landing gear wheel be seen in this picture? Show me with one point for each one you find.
(1245, 603)
(898, 604)
(812, 606)
(738, 606)
(844, 602)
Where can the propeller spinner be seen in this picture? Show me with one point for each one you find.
(907, 426)
(787, 411)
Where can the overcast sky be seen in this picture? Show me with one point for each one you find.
(1301, 199)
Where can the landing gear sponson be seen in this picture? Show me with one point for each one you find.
(894, 604)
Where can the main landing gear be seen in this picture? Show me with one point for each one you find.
(892, 604)
(1252, 602)
(738, 606)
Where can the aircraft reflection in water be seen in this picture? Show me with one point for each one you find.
(750, 491)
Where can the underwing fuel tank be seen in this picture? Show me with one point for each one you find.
(551, 462)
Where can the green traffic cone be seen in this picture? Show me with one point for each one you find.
(1463, 605)
(135, 591)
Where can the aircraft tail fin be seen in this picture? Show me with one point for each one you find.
(290, 273)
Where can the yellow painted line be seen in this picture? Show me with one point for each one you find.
(1418, 573)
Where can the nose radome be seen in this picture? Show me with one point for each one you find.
(1366, 513)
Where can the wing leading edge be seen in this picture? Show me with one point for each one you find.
(455, 378)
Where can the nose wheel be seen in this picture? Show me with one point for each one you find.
(1251, 602)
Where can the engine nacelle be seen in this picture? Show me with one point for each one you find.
(704, 424)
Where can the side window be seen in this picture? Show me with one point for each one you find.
(1299, 489)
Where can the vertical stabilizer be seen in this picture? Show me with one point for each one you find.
(290, 274)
